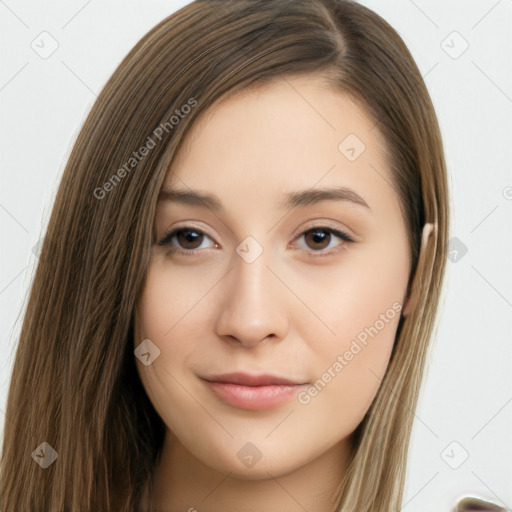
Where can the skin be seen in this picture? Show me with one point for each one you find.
(289, 312)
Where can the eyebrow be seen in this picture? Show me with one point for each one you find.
(289, 201)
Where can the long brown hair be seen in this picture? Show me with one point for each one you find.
(74, 383)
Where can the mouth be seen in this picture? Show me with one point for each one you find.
(253, 392)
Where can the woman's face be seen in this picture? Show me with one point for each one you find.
(261, 284)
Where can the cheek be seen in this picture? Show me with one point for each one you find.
(349, 376)
(163, 316)
(361, 303)
(170, 299)
(360, 298)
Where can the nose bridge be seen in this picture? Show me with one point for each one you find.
(251, 275)
(251, 307)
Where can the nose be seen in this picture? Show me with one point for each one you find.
(252, 306)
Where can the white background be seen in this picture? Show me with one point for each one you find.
(466, 402)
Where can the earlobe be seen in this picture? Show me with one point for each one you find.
(427, 238)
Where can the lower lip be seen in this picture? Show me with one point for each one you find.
(254, 397)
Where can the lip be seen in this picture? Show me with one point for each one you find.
(253, 392)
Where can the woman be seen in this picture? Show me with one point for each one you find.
(277, 366)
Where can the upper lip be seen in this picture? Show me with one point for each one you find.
(247, 379)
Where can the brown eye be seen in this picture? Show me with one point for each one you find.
(318, 238)
(188, 239)
(184, 240)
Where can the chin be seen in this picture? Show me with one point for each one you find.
(246, 462)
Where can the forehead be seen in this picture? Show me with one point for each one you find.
(292, 133)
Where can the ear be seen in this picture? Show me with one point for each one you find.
(427, 239)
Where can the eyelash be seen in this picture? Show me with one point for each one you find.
(166, 239)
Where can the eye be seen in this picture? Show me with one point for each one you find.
(320, 238)
(188, 238)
